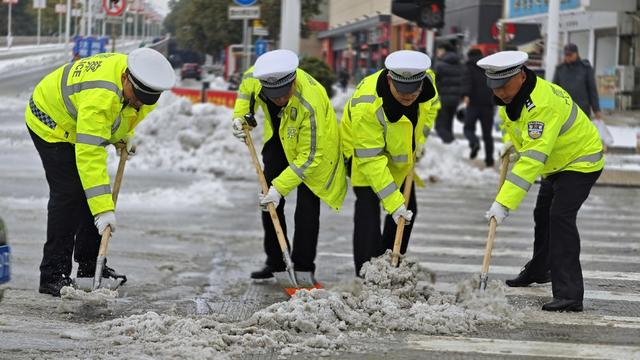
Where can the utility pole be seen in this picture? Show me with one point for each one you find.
(89, 17)
(68, 26)
(551, 47)
(9, 38)
(290, 25)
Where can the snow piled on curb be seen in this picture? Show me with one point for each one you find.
(319, 322)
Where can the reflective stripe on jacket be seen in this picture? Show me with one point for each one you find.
(84, 103)
(381, 151)
(552, 134)
(309, 134)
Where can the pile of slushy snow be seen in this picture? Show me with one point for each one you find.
(188, 137)
(388, 299)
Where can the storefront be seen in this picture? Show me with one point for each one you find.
(596, 33)
(359, 47)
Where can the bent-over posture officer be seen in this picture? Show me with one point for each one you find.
(555, 139)
(383, 126)
(73, 114)
(301, 150)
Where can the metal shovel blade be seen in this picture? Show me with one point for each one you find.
(285, 279)
(305, 279)
(484, 277)
(86, 283)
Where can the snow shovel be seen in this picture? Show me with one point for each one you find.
(395, 254)
(97, 281)
(287, 279)
(484, 276)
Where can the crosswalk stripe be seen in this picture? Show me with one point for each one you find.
(522, 240)
(514, 270)
(471, 251)
(522, 347)
(482, 228)
(545, 291)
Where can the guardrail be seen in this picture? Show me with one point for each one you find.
(217, 97)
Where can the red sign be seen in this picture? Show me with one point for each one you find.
(114, 7)
(509, 31)
(217, 97)
(10, 1)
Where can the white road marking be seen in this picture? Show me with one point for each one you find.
(545, 291)
(514, 270)
(427, 235)
(479, 251)
(522, 347)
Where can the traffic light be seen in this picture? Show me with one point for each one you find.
(425, 13)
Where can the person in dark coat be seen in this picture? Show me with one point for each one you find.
(479, 100)
(449, 77)
(577, 77)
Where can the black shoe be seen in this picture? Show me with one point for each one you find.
(489, 163)
(474, 150)
(264, 273)
(524, 279)
(89, 271)
(563, 305)
(53, 287)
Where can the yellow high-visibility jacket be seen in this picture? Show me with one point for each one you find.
(551, 135)
(381, 151)
(82, 104)
(309, 134)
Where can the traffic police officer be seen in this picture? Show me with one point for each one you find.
(73, 113)
(301, 150)
(553, 138)
(383, 127)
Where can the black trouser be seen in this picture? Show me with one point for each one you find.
(444, 122)
(368, 242)
(69, 221)
(557, 242)
(307, 217)
(484, 113)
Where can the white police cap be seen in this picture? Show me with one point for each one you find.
(151, 73)
(276, 70)
(407, 69)
(502, 66)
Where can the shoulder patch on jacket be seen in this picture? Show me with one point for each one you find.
(535, 129)
(529, 104)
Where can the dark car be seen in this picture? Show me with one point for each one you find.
(5, 258)
(191, 71)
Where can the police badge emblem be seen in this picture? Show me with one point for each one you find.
(291, 132)
(535, 128)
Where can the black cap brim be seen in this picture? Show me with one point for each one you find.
(406, 88)
(146, 98)
(275, 93)
(497, 83)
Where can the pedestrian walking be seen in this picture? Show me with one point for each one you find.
(479, 100)
(344, 79)
(383, 127)
(73, 113)
(301, 151)
(450, 74)
(555, 139)
(577, 77)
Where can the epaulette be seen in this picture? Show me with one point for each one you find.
(585, 62)
(529, 104)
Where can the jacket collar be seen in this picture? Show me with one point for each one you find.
(514, 108)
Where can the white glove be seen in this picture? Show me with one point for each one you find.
(238, 129)
(498, 211)
(131, 143)
(506, 147)
(402, 211)
(273, 196)
(103, 219)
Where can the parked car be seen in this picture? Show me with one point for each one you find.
(191, 71)
(5, 258)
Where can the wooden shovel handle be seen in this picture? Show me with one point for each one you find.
(106, 235)
(265, 188)
(395, 254)
(493, 224)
